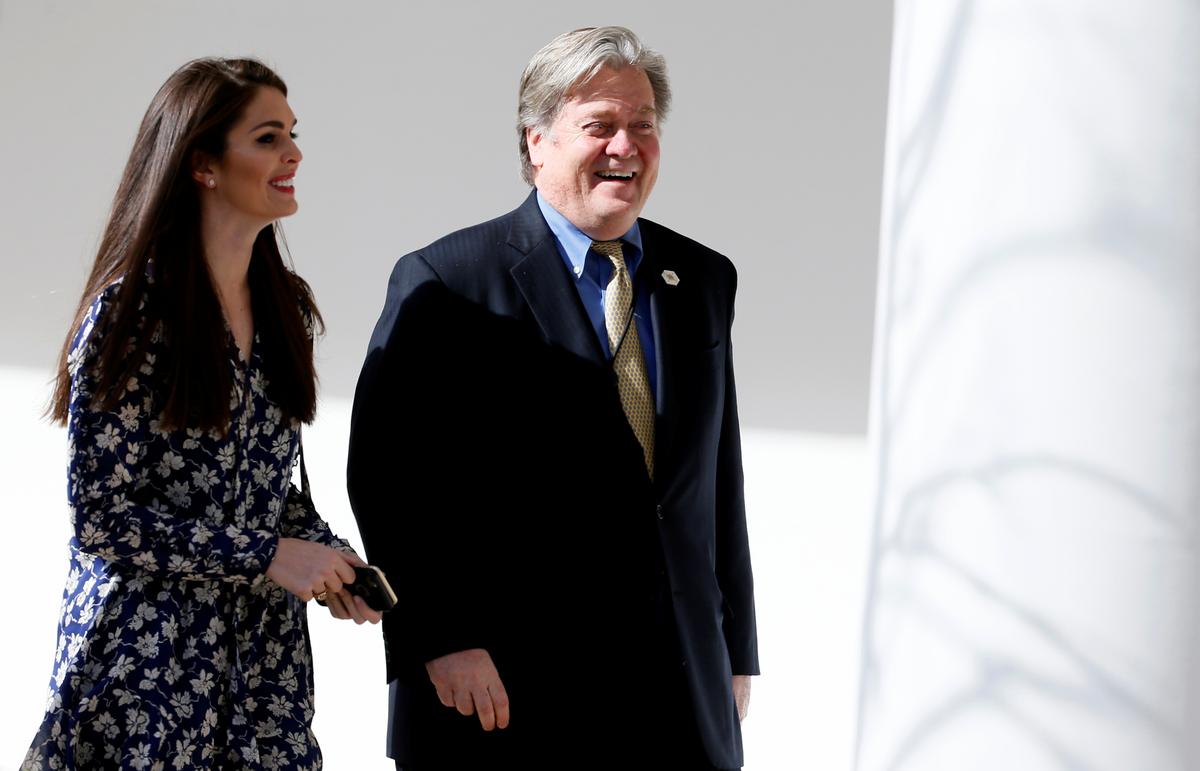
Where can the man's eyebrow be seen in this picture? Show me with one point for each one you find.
(607, 112)
(272, 124)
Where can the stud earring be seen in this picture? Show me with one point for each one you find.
(212, 182)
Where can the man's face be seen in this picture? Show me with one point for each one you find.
(598, 161)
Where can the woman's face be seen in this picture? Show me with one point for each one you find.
(254, 177)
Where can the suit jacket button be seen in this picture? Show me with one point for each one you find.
(658, 510)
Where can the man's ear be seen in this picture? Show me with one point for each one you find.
(534, 139)
(202, 167)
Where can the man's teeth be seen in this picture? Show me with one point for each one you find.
(283, 183)
(616, 174)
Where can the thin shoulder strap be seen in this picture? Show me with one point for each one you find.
(303, 469)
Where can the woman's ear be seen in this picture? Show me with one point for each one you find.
(202, 169)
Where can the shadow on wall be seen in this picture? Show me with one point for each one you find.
(1033, 555)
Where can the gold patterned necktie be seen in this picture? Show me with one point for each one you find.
(633, 383)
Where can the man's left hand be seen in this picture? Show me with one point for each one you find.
(741, 695)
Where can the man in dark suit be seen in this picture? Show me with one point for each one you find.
(545, 458)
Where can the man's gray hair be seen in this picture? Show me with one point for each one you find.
(570, 61)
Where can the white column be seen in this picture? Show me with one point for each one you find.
(1035, 586)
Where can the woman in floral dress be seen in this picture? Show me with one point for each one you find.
(183, 641)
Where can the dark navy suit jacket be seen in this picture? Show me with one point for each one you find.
(483, 410)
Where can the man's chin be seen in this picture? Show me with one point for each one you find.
(616, 219)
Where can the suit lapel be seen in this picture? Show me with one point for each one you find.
(663, 314)
(546, 284)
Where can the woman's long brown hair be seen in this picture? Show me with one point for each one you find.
(152, 245)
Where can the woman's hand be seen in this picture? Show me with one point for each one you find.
(344, 605)
(352, 607)
(306, 568)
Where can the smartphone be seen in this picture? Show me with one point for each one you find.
(372, 585)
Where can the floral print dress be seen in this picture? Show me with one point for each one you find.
(175, 651)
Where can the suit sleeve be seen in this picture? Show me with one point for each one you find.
(734, 572)
(411, 470)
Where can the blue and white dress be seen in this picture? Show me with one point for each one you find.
(175, 651)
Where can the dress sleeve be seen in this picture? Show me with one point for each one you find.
(301, 520)
(107, 468)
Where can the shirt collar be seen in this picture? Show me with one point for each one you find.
(573, 243)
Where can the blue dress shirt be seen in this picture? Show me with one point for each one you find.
(592, 272)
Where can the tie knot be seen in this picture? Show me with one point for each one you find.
(610, 249)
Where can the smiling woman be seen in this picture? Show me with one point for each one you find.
(183, 384)
(254, 177)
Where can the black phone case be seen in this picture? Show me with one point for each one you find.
(368, 586)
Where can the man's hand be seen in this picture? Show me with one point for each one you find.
(741, 695)
(469, 682)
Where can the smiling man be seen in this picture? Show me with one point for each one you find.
(545, 458)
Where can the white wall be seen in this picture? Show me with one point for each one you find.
(772, 155)
(1036, 411)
